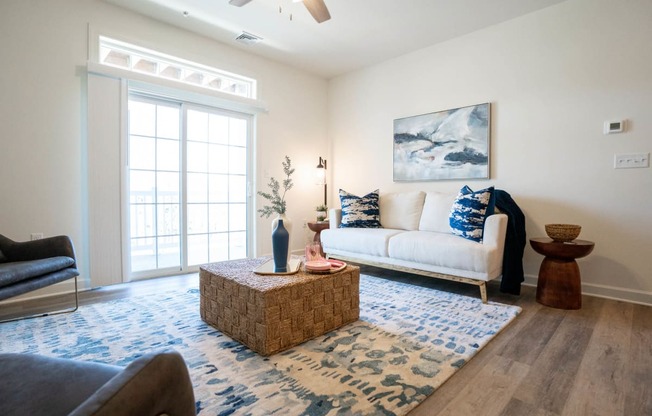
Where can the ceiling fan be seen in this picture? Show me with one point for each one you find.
(317, 8)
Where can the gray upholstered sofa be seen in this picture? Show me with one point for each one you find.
(152, 385)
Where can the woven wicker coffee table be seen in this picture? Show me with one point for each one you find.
(270, 314)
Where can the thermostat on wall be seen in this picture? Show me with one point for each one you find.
(611, 127)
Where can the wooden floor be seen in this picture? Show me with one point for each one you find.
(592, 361)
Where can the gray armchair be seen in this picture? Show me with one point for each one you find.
(31, 265)
(152, 385)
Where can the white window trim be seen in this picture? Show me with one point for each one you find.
(193, 93)
(160, 59)
(188, 92)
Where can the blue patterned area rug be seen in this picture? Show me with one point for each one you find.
(408, 341)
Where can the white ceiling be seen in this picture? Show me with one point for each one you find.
(360, 32)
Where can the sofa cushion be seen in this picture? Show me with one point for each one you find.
(2, 257)
(436, 210)
(401, 210)
(17, 271)
(444, 250)
(360, 211)
(469, 213)
(373, 242)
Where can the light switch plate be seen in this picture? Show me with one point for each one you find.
(632, 160)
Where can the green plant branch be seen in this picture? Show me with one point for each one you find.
(277, 203)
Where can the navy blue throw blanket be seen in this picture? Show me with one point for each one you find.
(513, 274)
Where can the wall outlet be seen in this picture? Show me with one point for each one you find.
(632, 160)
(35, 236)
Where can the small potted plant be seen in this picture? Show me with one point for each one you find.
(322, 212)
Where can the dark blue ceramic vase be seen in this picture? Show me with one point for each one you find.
(280, 246)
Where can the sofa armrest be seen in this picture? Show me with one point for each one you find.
(334, 217)
(154, 384)
(495, 229)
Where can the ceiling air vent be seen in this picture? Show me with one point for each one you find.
(248, 39)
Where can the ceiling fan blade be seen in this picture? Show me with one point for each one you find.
(318, 10)
(238, 3)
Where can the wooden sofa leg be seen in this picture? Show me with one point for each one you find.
(483, 292)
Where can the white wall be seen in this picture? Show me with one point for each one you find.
(43, 144)
(553, 77)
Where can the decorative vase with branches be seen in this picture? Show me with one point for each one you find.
(278, 205)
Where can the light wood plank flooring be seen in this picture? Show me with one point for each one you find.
(592, 361)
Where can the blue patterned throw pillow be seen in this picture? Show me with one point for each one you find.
(360, 211)
(470, 211)
(491, 208)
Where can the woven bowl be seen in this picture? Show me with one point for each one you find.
(563, 232)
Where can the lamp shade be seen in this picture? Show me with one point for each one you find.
(321, 172)
(321, 176)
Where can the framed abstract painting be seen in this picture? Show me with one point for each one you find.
(450, 144)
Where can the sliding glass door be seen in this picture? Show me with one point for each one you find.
(187, 176)
(216, 173)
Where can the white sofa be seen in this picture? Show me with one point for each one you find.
(416, 238)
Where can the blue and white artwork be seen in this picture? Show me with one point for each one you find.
(451, 144)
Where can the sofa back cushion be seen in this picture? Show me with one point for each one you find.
(436, 210)
(401, 211)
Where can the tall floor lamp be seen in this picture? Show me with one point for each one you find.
(321, 177)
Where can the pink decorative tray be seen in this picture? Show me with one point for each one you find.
(324, 266)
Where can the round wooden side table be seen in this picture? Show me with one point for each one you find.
(559, 284)
(317, 228)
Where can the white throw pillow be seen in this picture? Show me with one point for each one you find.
(402, 210)
(436, 210)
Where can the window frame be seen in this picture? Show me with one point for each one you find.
(170, 88)
(186, 69)
(164, 88)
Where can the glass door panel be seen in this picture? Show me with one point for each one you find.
(187, 186)
(154, 186)
(217, 186)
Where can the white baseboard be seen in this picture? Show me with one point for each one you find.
(607, 292)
